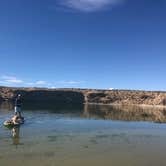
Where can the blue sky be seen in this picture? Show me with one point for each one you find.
(104, 44)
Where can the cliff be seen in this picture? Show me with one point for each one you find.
(126, 97)
(80, 96)
(42, 95)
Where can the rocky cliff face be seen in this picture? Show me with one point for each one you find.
(126, 97)
(42, 95)
(76, 96)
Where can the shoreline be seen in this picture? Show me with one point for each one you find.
(141, 105)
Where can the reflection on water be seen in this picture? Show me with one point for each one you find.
(113, 112)
(15, 135)
(83, 135)
(6, 106)
(53, 107)
(127, 113)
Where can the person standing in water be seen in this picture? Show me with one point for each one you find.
(18, 104)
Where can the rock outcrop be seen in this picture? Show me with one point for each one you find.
(126, 97)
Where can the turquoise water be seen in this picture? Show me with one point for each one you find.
(69, 137)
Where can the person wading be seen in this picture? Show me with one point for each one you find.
(18, 104)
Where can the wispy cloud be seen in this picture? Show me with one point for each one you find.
(11, 79)
(52, 84)
(69, 82)
(8, 80)
(29, 83)
(110, 88)
(41, 83)
(89, 5)
(2, 82)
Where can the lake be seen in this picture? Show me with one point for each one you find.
(83, 135)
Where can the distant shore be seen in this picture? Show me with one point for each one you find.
(91, 96)
(139, 105)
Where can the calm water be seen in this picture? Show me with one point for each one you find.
(77, 136)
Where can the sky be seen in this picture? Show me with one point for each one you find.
(100, 44)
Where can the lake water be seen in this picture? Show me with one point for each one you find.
(82, 135)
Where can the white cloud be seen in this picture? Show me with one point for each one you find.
(111, 88)
(11, 79)
(89, 5)
(53, 87)
(30, 83)
(41, 83)
(8, 80)
(70, 82)
(14, 81)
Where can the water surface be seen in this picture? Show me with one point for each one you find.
(82, 135)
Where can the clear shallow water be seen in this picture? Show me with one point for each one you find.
(70, 137)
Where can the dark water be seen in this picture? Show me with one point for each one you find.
(83, 135)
